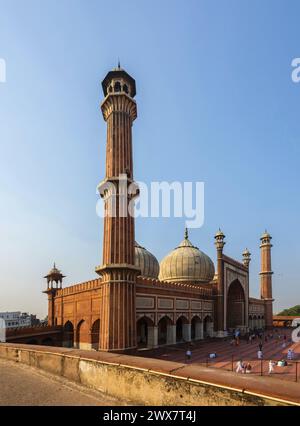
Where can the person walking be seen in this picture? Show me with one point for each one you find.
(239, 366)
(271, 366)
(248, 368)
(188, 355)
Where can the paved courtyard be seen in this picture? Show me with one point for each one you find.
(23, 385)
(228, 355)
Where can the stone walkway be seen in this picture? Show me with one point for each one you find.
(23, 385)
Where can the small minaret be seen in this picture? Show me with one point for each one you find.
(54, 282)
(219, 316)
(246, 258)
(54, 276)
(266, 278)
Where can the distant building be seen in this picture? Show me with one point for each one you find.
(19, 319)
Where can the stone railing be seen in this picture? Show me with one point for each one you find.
(149, 381)
(191, 288)
(35, 330)
(77, 288)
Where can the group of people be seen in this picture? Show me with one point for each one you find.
(243, 367)
(246, 367)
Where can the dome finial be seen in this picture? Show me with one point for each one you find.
(119, 64)
(186, 234)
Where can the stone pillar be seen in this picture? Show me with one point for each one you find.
(51, 305)
(210, 329)
(152, 337)
(246, 262)
(266, 278)
(171, 334)
(186, 332)
(199, 330)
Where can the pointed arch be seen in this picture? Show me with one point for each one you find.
(83, 335)
(180, 323)
(236, 305)
(68, 335)
(144, 327)
(164, 330)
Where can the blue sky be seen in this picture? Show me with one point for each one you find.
(216, 103)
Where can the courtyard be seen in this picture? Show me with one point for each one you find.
(228, 354)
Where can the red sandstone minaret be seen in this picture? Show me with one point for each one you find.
(117, 311)
(219, 313)
(54, 282)
(266, 278)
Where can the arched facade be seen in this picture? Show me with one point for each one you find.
(68, 335)
(83, 335)
(196, 328)
(208, 326)
(236, 306)
(95, 334)
(145, 332)
(182, 329)
(165, 331)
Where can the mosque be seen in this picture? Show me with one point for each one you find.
(137, 301)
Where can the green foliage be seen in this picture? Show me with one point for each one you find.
(291, 311)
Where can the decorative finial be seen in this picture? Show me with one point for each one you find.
(119, 65)
(54, 265)
(186, 234)
(246, 258)
(266, 238)
(219, 239)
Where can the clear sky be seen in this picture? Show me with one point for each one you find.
(216, 103)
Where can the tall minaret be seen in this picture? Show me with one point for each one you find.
(219, 311)
(117, 312)
(266, 278)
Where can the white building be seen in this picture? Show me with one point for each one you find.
(18, 319)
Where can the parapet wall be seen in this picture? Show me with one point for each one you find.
(142, 381)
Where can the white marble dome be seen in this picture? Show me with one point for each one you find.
(186, 263)
(146, 261)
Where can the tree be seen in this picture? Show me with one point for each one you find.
(291, 311)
